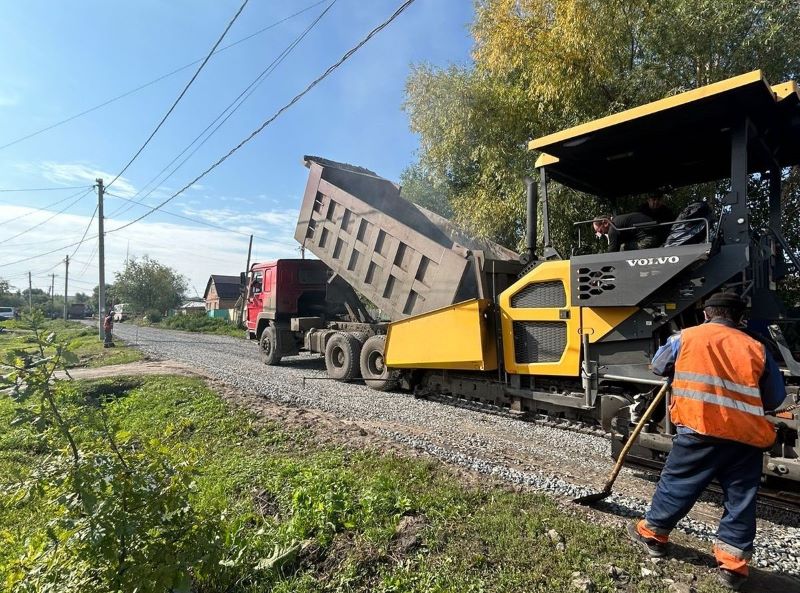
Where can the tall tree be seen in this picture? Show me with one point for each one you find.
(8, 296)
(111, 297)
(543, 65)
(424, 189)
(148, 285)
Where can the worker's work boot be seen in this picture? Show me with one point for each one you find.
(732, 563)
(655, 545)
(731, 580)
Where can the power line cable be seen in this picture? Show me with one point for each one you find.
(203, 222)
(38, 255)
(77, 261)
(32, 243)
(34, 210)
(182, 93)
(294, 100)
(44, 188)
(48, 219)
(251, 88)
(252, 135)
(91, 260)
(86, 230)
(159, 79)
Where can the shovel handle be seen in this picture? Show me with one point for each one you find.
(634, 435)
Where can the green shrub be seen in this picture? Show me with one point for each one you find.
(122, 521)
(153, 316)
(202, 324)
(121, 516)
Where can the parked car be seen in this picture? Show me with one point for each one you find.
(8, 313)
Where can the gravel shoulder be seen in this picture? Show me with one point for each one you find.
(526, 455)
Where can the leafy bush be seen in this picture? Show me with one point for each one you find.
(202, 324)
(122, 517)
(121, 522)
(153, 316)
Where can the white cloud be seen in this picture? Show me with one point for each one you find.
(237, 199)
(287, 218)
(8, 100)
(195, 252)
(71, 173)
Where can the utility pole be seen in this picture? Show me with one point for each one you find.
(30, 294)
(52, 289)
(246, 274)
(101, 255)
(66, 284)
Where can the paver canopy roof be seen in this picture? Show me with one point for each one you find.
(677, 141)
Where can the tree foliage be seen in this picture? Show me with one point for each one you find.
(544, 65)
(146, 284)
(420, 187)
(81, 297)
(111, 295)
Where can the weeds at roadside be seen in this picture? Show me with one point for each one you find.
(82, 340)
(201, 324)
(167, 489)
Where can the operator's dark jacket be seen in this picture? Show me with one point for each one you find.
(638, 238)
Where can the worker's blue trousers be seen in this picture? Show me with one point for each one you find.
(691, 465)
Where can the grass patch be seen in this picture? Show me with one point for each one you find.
(318, 518)
(82, 339)
(201, 324)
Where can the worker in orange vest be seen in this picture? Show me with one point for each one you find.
(723, 380)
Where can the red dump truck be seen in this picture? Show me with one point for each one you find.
(373, 247)
(298, 305)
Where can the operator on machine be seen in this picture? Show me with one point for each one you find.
(655, 208)
(629, 231)
(722, 382)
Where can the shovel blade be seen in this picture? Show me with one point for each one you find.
(590, 499)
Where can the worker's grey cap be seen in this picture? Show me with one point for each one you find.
(728, 300)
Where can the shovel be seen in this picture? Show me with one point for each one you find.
(606, 491)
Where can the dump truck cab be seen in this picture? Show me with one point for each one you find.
(286, 289)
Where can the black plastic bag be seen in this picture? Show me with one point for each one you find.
(692, 231)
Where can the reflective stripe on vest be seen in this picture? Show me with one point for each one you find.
(715, 390)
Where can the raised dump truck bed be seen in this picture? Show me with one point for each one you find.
(403, 258)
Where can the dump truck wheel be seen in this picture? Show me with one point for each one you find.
(376, 374)
(270, 348)
(341, 357)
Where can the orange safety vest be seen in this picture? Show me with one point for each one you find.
(715, 391)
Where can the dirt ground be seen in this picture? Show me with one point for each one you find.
(690, 556)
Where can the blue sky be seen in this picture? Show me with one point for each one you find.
(61, 58)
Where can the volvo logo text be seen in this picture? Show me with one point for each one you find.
(653, 261)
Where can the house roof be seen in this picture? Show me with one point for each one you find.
(227, 286)
(193, 305)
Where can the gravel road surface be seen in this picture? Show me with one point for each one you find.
(562, 463)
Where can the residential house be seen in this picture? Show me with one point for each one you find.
(222, 292)
(192, 307)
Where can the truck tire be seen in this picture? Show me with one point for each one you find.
(376, 374)
(270, 347)
(341, 357)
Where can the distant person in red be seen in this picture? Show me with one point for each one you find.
(108, 326)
